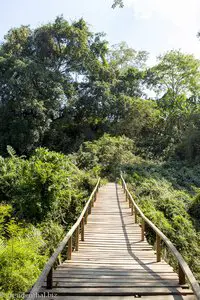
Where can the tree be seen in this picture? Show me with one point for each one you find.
(121, 57)
(176, 75)
(176, 80)
(118, 3)
(39, 73)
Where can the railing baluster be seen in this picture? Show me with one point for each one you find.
(77, 238)
(86, 216)
(132, 208)
(158, 248)
(50, 279)
(69, 249)
(82, 229)
(93, 199)
(181, 275)
(90, 209)
(135, 215)
(142, 230)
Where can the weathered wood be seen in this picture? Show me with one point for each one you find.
(89, 209)
(120, 291)
(181, 275)
(142, 230)
(122, 297)
(129, 202)
(82, 229)
(86, 216)
(136, 219)
(158, 248)
(128, 284)
(77, 238)
(69, 249)
(50, 279)
(132, 209)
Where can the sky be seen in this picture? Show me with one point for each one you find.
(152, 25)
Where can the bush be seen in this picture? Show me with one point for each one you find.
(47, 185)
(22, 257)
(106, 155)
(166, 198)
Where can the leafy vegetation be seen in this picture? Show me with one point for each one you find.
(40, 198)
(166, 196)
(72, 108)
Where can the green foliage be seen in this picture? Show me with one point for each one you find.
(165, 195)
(106, 155)
(21, 259)
(52, 233)
(178, 74)
(122, 57)
(63, 87)
(195, 207)
(11, 151)
(39, 72)
(47, 190)
(48, 184)
(5, 216)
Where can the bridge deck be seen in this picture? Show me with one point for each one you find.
(113, 261)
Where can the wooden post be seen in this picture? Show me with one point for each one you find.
(129, 200)
(77, 238)
(135, 215)
(142, 230)
(158, 248)
(181, 275)
(82, 229)
(126, 195)
(132, 208)
(86, 216)
(90, 208)
(95, 197)
(69, 249)
(50, 279)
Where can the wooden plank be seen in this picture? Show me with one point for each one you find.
(111, 279)
(120, 291)
(100, 276)
(163, 297)
(111, 284)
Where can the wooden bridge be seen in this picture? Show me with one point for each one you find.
(108, 257)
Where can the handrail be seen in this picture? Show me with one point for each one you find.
(47, 272)
(184, 269)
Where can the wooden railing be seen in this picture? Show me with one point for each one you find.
(75, 231)
(184, 270)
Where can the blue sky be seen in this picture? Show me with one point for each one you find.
(152, 25)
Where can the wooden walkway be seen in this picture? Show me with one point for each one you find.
(112, 262)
